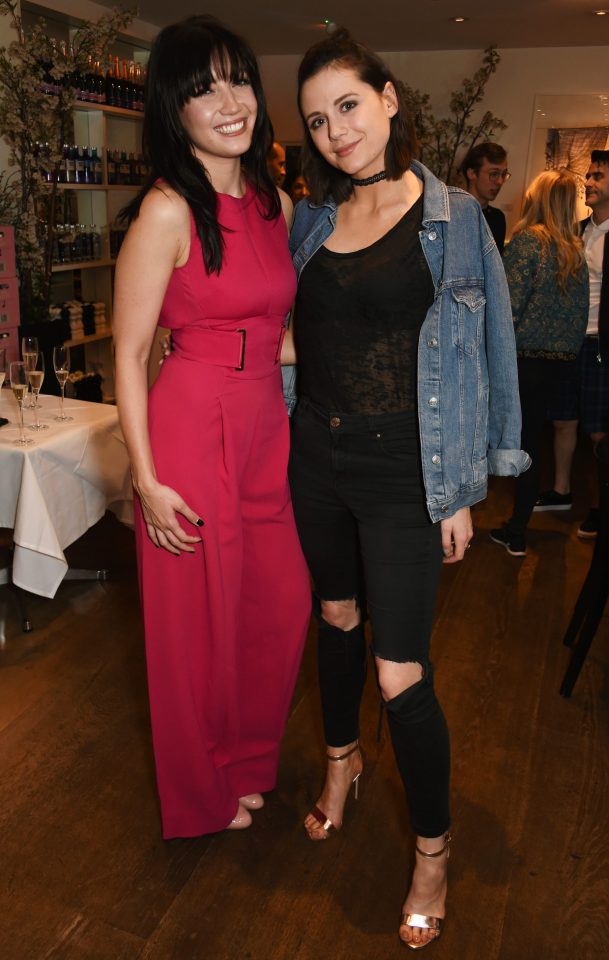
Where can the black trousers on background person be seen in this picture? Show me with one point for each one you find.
(538, 379)
(360, 510)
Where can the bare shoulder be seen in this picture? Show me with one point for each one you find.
(287, 207)
(163, 207)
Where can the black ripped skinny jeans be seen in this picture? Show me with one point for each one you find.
(360, 510)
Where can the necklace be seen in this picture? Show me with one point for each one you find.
(368, 180)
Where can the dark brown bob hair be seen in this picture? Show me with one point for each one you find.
(340, 50)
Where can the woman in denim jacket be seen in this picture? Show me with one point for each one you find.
(408, 397)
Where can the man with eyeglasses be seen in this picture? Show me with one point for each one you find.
(484, 168)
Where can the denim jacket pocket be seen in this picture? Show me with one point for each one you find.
(467, 314)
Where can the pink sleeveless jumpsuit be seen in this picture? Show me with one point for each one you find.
(224, 627)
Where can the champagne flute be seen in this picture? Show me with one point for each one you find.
(19, 383)
(61, 365)
(29, 352)
(35, 375)
(2, 365)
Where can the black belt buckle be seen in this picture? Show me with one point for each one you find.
(242, 351)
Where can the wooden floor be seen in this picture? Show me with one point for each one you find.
(84, 873)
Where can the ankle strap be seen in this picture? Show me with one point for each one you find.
(432, 856)
(343, 756)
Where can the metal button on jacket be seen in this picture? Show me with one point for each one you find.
(432, 234)
(435, 459)
(335, 422)
(433, 401)
(433, 342)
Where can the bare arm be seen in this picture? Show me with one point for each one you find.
(288, 350)
(288, 347)
(156, 242)
(287, 207)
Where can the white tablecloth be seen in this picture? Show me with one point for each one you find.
(53, 490)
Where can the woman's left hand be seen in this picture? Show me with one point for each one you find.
(457, 532)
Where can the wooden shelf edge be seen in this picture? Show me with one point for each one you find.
(103, 187)
(111, 111)
(91, 338)
(81, 265)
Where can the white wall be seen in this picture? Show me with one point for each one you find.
(7, 35)
(88, 10)
(510, 93)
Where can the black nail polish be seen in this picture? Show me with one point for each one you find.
(200, 523)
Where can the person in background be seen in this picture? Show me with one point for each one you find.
(224, 587)
(548, 280)
(402, 327)
(584, 395)
(297, 189)
(484, 169)
(276, 163)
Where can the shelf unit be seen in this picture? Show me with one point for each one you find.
(107, 128)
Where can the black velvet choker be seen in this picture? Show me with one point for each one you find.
(368, 180)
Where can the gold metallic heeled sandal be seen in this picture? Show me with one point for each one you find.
(419, 919)
(319, 815)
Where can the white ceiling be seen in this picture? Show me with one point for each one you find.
(290, 27)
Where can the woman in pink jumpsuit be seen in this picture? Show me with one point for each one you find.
(224, 586)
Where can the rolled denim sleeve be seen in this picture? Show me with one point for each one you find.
(505, 458)
(288, 374)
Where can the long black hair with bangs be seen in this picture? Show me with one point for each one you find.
(183, 60)
(341, 51)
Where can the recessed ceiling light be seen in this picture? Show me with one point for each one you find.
(459, 19)
(601, 13)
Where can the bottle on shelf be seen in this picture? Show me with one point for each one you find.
(100, 83)
(96, 168)
(111, 165)
(62, 60)
(96, 243)
(118, 83)
(110, 85)
(89, 88)
(133, 92)
(139, 88)
(86, 166)
(124, 170)
(126, 87)
(79, 165)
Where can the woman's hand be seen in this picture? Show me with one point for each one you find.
(160, 504)
(457, 532)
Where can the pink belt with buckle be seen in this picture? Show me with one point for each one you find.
(252, 347)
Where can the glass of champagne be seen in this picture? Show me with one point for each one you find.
(19, 383)
(29, 353)
(61, 365)
(2, 365)
(35, 375)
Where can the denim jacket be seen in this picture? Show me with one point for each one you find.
(467, 381)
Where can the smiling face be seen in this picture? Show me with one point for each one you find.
(219, 120)
(349, 122)
(597, 191)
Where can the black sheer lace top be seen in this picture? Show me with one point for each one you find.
(357, 322)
